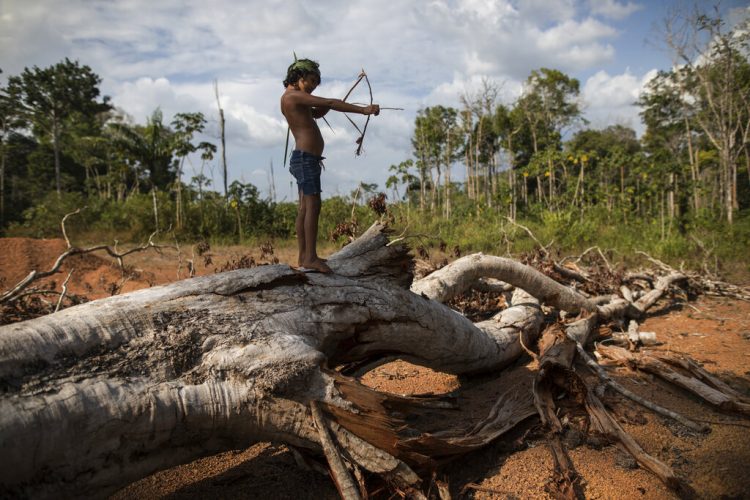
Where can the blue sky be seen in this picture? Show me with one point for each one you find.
(167, 54)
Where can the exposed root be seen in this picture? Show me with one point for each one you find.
(556, 374)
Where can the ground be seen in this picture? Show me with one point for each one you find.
(715, 332)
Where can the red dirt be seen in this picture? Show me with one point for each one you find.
(714, 332)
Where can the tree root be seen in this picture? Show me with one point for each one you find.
(589, 361)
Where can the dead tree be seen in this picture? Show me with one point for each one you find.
(104, 393)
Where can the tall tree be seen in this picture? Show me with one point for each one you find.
(437, 144)
(186, 126)
(50, 97)
(716, 73)
(10, 120)
(507, 124)
(480, 139)
(550, 103)
(148, 148)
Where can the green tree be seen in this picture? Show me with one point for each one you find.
(10, 122)
(148, 149)
(549, 104)
(186, 126)
(402, 175)
(437, 144)
(53, 99)
(507, 124)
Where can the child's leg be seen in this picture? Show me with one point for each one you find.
(312, 212)
(300, 227)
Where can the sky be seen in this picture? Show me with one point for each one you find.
(167, 54)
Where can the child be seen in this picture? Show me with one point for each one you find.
(301, 108)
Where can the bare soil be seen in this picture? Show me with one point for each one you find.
(714, 332)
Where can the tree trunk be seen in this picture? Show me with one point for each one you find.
(223, 139)
(2, 185)
(56, 152)
(693, 160)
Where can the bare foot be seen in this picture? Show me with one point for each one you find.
(300, 264)
(318, 265)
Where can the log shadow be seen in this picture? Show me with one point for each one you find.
(481, 464)
(272, 472)
(656, 312)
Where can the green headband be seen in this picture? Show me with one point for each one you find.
(306, 66)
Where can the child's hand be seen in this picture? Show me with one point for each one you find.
(372, 109)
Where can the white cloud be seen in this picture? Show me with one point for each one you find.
(572, 33)
(613, 9)
(142, 96)
(610, 99)
(545, 11)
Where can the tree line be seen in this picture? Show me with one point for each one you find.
(63, 145)
(536, 153)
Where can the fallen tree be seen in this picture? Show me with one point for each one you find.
(101, 394)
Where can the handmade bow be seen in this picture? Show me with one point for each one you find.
(360, 140)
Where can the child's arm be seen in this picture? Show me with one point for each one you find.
(327, 103)
(320, 112)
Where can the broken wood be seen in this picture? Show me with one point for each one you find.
(719, 395)
(341, 477)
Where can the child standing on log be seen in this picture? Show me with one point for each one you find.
(301, 108)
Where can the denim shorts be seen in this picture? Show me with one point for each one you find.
(306, 168)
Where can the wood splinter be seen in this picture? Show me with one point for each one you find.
(344, 483)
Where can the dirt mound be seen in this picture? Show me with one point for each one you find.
(20, 255)
(94, 276)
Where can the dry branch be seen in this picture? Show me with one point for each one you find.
(703, 385)
(344, 482)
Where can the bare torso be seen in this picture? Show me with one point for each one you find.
(299, 116)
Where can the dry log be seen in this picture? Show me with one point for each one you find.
(446, 283)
